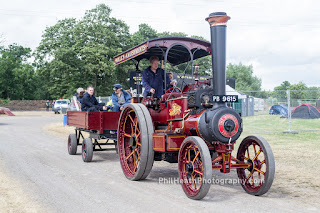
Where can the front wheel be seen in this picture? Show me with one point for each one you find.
(195, 167)
(258, 178)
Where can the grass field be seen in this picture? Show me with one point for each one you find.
(297, 156)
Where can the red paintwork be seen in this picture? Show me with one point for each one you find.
(222, 147)
(173, 111)
(159, 142)
(223, 161)
(76, 119)
(170, 95)
(191, 122)
(93, 120)
(159, 116)
(174, 142)
(194, 86)
(6, 111)
(110, 120)
(221, 125)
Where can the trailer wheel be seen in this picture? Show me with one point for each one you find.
(72, 144)
(135, 150)
(87, 150)
(257, 179)
(195, 167)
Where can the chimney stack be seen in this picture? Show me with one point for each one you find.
(218, 24)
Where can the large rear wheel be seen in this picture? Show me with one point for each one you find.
(258, 178)
(195, 167)
(135, 146)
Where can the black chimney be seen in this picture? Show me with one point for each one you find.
(218, 25)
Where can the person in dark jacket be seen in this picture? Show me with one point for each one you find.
(153, 79)
(90, 103)
(120, 98)
(79, 94)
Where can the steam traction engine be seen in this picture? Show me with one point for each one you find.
(193, 127)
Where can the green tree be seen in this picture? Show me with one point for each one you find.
(17, 79)
(280, 91)
(176, 34)
(297, 91)
(59, 65)
(245, 80)
(144, 33)
(80, 53)
(313, 93)
(101, 37)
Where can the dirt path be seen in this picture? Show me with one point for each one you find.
(47, 179)
(13, 196)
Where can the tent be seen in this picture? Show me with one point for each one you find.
(305, 111)
(231, 91)
(278, 110)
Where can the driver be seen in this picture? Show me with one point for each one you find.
(153, 79)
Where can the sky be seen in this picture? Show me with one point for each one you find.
(280, 39)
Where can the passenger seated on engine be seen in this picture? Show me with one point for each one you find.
(120, 98)
(90, 103)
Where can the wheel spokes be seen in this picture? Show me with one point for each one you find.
(256, 165)
(130, 155)
(195, 157)
(127, 135)
(198, 172)
(251, 173)
(259, 171)
(192, 155)
(257, 154)
(136, 162)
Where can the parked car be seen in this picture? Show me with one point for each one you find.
(61, 106)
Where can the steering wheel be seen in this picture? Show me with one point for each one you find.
(173, 89)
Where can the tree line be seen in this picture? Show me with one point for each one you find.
(77, 53)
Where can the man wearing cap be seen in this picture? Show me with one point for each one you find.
(153, 78)
(120, 98)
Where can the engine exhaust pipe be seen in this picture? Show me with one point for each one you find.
(218, 25)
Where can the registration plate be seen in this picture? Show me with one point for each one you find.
(224, 98)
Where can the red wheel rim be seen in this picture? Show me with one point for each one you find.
(191, 168)
(253, 177)
(84, 151)
(130, 143)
